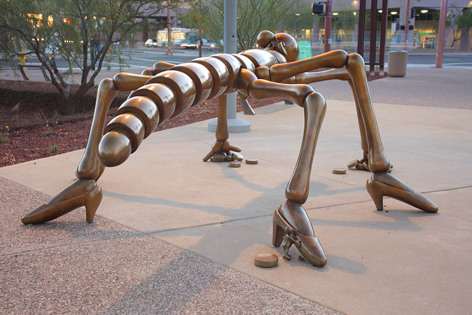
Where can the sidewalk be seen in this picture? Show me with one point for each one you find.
(174, 234)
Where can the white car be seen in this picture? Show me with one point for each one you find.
(150, 43)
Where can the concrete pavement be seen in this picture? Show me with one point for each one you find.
(174, 234)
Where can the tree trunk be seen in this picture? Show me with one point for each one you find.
(464, 45)
(69, 105)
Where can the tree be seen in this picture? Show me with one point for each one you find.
(465, 20)
(256, 15)
(198, 17)
(459, 20)
(253, 17)
(464, 23)
(298, 17)
(208, 17)
(452, 22)
(71, 29)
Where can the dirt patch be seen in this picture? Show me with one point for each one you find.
(35, 129)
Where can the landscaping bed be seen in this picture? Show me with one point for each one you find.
(31, 126)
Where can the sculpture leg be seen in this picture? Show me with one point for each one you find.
(291, 215)
(343, 75)
(381, 183)
(378, 161)
(340, 74)
(222, 146)
(363, 163)
(84, 191)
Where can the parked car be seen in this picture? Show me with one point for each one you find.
(207, 44)
(187, 44)
(150, 43)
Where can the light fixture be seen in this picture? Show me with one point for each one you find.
(354, 13)
(50, 20)
(424, 11)
(335, 13)
(394, 13)
(297, 14)
(380, 11)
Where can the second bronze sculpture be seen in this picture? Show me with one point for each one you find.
(271, 71)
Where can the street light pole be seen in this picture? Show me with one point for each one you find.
(327, 45)
(442, 23)
(230, 47)
(169, 33)
(361, 27)
(407, 24)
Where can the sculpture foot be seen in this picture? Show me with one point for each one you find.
(223, 149)
(301, 232)
(82, 192)
(363, 165)
(383, 184)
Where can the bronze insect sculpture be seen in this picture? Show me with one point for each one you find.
(273, 70)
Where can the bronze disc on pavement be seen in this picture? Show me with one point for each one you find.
(234, 164)
(252, 161)
(339, 171)
(266, 260)
(218, 158)
(353, 164)
(237, 156)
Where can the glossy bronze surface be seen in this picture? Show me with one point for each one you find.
(129, 125)
(272, 71)
(163, 97)
(143, 108)
(81, 192)
(114, 149)
(233, 66)
(266, 260)
(182, 86)
(245, 62)
(219, 73)
(201, 77)
(260, 57)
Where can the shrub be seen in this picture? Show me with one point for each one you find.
(53, 148)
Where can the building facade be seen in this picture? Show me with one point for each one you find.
(416, 24)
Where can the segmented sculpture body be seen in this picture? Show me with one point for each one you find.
(170, 92)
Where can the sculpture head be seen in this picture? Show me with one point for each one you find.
(282, 43)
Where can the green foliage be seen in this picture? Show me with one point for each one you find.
(465, 20)
(207, 16)
(48, 133)
(65, 28)
(458, 19)
(53, 148)
(299, 17)
(3, 138)
(253, 17)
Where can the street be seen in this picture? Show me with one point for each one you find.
(146, 57)
(458, 60)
